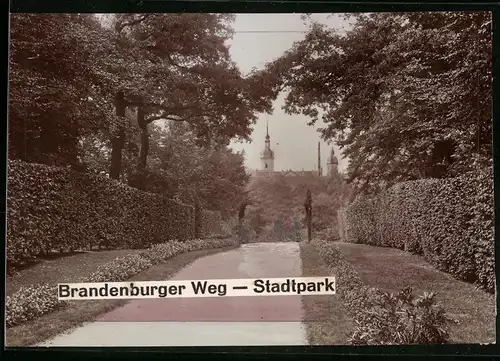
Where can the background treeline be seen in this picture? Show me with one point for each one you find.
(276, 208)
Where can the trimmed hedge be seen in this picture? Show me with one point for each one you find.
(212, 225)
(36, 300)
(382, 318)
(448, 221)
(52, 208)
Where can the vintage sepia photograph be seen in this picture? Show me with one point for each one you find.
(217, 179)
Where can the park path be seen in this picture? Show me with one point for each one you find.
(231, 321)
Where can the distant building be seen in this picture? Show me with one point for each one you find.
(267, 164)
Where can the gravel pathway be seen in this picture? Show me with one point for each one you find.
(231, 321)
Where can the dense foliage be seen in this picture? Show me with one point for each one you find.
(180, 168)
(449, 221)
(405, 95)
(56, 209)
(58, 85)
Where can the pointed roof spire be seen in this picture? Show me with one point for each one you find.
(267, 128)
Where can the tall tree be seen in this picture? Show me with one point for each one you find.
(405, 95)
(179, 168)
(181, 70)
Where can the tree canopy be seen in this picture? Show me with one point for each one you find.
(57, 85)
(185, 72)
(179, 68)
(405, 95)
(68, 69)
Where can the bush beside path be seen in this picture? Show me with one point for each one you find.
(373, 279)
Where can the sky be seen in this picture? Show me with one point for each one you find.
(294, 143)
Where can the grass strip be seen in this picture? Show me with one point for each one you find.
(45, 327)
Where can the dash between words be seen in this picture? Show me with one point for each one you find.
(204, 288)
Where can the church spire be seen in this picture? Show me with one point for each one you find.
(267, 155)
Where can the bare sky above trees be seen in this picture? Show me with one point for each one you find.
(261, 38)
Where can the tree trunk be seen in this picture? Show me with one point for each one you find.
(118, 140)
(309, 226)
(143, 156)
(308, 208)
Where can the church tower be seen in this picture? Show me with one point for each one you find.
(267, 156)
(332, 164)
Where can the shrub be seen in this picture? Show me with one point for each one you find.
(383, 318)
(448, 221)
(401, 319)
(31, 302)
(34, 301)
(51, 208)
(481, 232)
(161, 252)
(349, 285)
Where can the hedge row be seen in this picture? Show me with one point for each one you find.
(36, 300)
(212, 225)
(448, 221)
(382, 318)
(56, 209)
